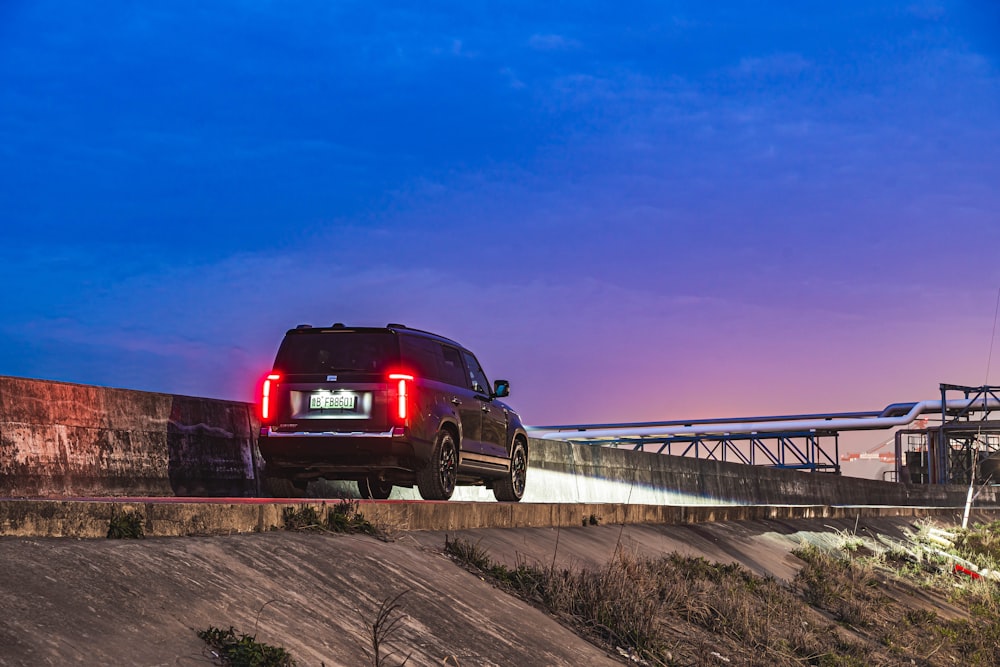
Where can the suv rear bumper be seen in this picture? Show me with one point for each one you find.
(343, 455)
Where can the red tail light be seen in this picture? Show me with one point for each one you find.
(266, 409)
(402, 394)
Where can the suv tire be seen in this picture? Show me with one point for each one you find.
(436, 481)
(373, 488)
(511, 487)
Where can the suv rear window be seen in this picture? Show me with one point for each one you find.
(337, 352)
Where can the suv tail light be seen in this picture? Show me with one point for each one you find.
(403, 386)
(266, 406)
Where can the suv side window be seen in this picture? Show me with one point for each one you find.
(452, 370)
(477, 378)
(423, 355)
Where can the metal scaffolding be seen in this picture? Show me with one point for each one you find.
(797, 450)
(959, 449)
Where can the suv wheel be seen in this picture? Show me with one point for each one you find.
(511, 487)
(436, 481)
(374, 488)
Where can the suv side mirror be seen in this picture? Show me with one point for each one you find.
(501, 388)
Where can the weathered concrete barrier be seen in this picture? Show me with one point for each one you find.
(565, 472)
(60, 440)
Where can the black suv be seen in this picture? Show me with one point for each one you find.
(386, 406)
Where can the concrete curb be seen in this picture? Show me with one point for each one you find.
(91, 518)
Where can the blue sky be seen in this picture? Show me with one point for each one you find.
(639, 211)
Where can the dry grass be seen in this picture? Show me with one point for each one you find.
(980, 544)
(847, 588)
(854, 592)
(677, 610)
(847, 606)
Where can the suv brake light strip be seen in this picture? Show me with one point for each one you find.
(402, 391)
(265, 404)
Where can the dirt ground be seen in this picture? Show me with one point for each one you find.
(141, 602)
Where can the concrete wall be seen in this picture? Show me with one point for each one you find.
(561, 471)
(61, 440)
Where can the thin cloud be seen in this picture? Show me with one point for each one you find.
(776, 65)
(512, 79)
(928, 10)
(553, 42)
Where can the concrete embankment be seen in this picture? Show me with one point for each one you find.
(60, 440)
(140, 602)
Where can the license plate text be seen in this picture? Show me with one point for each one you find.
(331, 401)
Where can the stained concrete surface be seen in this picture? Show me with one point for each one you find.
(61, 439)
(140, 602)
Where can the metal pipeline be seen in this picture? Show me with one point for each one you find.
(896, 414)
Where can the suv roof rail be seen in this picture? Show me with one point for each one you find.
(424, 332)
(304, 326)
(337, 325)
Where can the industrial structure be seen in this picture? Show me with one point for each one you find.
(960, 446)
(954, 440)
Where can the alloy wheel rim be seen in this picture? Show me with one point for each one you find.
(520, 471)
(448, 465)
